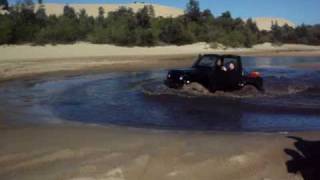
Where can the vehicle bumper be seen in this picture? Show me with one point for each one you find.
(173, 84)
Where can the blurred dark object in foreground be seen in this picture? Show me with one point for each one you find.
(305, 159)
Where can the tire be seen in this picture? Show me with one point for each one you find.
(212, 87)
(179, 86)
(176, 86)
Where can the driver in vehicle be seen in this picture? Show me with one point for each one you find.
(220, 66)
(231, 67)
(232, 76)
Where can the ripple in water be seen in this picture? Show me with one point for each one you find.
(291, 102)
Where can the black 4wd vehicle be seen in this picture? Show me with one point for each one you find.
(215, 72)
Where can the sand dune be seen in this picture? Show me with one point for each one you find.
(265, 23)
(92, 9)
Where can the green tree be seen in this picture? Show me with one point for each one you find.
(86, 24)
(99, 35)
(4, 4)
(100, 18)
(6, 26)
(276, 33)
(251, 31)
(121, 27)
(192, 11)
(60, 30)
(303, 34)
(125, 27)
(41, 16)
(121, 34)
(225, 21)
(264, 36)
(315, 35)
(252, 26)
(25, 23)
(232, 39)
(207, 16)
(226, 15)
(145, 37)
(69, 12)
(144, 16)
(173, 32)
(101, 12)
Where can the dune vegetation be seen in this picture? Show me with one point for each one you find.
(22, 23)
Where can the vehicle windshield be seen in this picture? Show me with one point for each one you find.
(207, 61)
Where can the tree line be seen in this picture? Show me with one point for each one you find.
(124, 27)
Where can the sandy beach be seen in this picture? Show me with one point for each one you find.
(26, 60)
(89, 152)
(84, 152)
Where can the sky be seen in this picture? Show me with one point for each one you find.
(297, 11)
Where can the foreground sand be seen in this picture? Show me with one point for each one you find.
(113, 153)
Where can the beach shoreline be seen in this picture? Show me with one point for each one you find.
(83, 151)
(22, 61)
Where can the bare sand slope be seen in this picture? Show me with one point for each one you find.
(92, 9)
(265, 23)
(112, 153)
(23, 52)
(24, 60)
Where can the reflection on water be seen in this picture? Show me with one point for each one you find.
(291, 103)
(277, 62)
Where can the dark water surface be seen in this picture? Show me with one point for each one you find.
(291, 101)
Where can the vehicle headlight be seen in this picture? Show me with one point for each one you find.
(181, 78)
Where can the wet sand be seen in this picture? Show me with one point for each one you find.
(18, 61)
(89, 152)
(71, 151)
(22, 68)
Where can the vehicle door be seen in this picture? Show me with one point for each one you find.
(206, 69)
(233, 72)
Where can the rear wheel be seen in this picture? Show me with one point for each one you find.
(256, 82)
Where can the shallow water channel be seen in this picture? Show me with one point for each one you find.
(139, 99)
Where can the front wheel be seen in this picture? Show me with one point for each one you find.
(212, 87)
(176, 86)
(179, 86)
